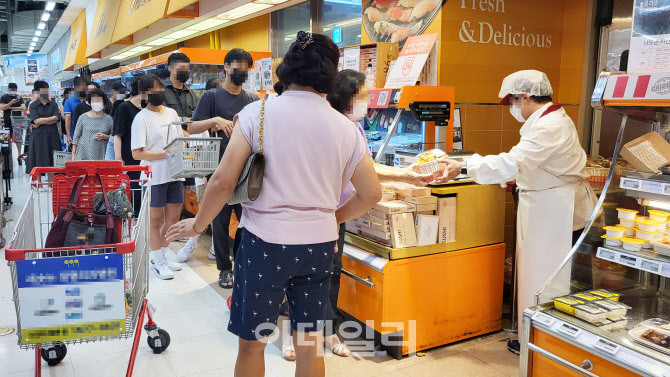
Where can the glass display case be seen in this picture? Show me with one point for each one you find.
(605, 311)
(408, 136)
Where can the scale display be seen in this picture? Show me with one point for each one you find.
(439, 112)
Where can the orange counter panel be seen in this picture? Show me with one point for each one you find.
(543, 367)
(452, 295)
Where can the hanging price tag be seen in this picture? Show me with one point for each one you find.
(607, 346)
(650, 266)
(631, 184)
(544, 319)
(606, 254)
(570, 330)
(628, 260)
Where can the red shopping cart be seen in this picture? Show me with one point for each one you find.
(73, 295)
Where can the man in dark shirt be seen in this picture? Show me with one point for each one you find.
(80, 84)
(45, 138)
(215, 112)
(178, 96)
(12, 104)
(118, 94)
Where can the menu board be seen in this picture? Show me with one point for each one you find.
(650, 40)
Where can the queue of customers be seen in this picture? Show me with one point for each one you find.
(286, 255)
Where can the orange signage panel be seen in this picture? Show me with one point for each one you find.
(103, 26)
(135, 15)
(177, 5)
(76, 47)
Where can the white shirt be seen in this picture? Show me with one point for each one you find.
(150, 131)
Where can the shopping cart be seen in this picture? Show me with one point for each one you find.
(192, 157)
(62, 295)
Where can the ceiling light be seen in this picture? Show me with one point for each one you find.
(35, 39)
(117, 57)
(273, 2)
(122, 56)
(29, 54)
(38, 32)
(182, 33)
(45, 16)
(160, 42)
(50, 5)
(207, 24)
(244, 10)
(32, 44)
(41, 26)
(139, 49)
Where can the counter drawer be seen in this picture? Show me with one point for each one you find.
(544, 367)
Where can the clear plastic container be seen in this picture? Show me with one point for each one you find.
(627, 223)
(653, 333)
(615, 231)
(625, 213)
(611, 241)
(648, 225)
(642, 235)
(632, 244)
(661, 246)
(660, 216)
(427, 162)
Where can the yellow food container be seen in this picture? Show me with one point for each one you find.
(612, 241)
(648, 225)
(640, 218)
(642, 235)
(625, 213)
(586, 296)
(627, 223)
(604, 293)
(662, 226)
(567, 304)
(632, 244)
(615, 231)
(661, 216)
(629, 232)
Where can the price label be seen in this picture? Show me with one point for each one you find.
(666, 189)
(665, 269)
(631, 184)
(628, 260)
(606, 254)
(650, 266)
(607, 346)
(570, 330)
(652, 187)
(544, 319)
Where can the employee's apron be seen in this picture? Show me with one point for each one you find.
(544, 238)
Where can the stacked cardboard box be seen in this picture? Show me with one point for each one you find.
(408, 216)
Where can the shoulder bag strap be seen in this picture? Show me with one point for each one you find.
(260, 130)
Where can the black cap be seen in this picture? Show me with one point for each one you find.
(119, 86)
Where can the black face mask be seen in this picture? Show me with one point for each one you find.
(44, 96)
(82, 93)
(143, 104)
(238, 77)
(156, 99)
(183, 76)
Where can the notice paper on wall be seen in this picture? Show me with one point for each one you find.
(650, 39)
(266, 73)
(352, 58)
(411, 61)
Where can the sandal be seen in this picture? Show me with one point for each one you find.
(339, 349)
(226, 279)
(288, 352)
(229, 302)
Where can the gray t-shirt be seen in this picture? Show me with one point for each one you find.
(87, 127)
(220, 103)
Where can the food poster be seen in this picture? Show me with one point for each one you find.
(71, 297)
(650, 40)
(266, 73)
(396, 20)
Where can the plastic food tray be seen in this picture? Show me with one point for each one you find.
(636, 335)
(661, 248)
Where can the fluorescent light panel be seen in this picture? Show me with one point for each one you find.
(35, 39)
(38, 32)
(244, 10)
(160, 41)
(273, 2)
(32, 44)
(50, 5)
(139, 49)
(207, 24)
(41, 26)
(45, 16)
(182, 33)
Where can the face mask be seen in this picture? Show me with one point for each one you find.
(183, 76)
(359, 111)
(156, 99)
(97, 106)
(12, 93)
(516, 113)
(44, 96)
(82, 93)
(120, 97)
(143, 104)
(238, 77)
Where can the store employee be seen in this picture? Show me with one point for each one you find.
(549, 165)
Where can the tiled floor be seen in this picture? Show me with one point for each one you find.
(192, 309)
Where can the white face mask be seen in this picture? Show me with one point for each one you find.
(516, 113)
(12, 92)
(359, 111)
(120, 97)
(97, 106)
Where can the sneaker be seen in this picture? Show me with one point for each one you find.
(514, 347)
(185, 252)
(162, 270)
(174, 266)
(211, 255)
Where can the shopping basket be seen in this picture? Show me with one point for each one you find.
(21, 122)
(83, 293)
(61, 156)
(192, 157)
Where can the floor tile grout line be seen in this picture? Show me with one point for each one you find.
(485, 362)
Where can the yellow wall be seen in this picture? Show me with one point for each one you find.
(251, 35)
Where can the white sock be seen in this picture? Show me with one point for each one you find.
(158, 255)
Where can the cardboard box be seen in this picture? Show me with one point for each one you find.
(446, 211)
(418, 199)
(426, 229)
(387, 187)
(380, 228)
(426, 207)
(352, 227)
(379, 220)
(647, 153)
(374, 213)
(430, 213)
(407, 189)
(388, 196)
(394, 206)
(403, 231)
(377, 234)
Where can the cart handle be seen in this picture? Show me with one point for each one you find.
(13, 255)
(90, 168)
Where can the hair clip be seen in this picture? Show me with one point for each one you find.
(304, 38)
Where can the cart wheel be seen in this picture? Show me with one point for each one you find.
(54, 355)
(159, 343)
(2, 242)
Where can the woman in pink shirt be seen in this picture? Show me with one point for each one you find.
(287, 247)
